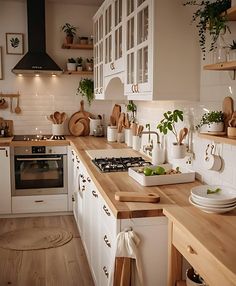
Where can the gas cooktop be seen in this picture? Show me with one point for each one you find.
(38, 137)
(119, 164)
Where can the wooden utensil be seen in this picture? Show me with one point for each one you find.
(116, 113)
(121, 122)
(137, 197)
(127, 122)
(228, 109)
(232, 121)
(134, 128)
(11, 110)
(112, 120)
(18, 109)
(57, 117)
(77, 129)
(182, 134)
(139, 130)
(63, 117)
(52, 118)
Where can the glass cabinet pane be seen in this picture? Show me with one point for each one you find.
(130, 34)
(100, 52)
(101, 75)
(100, 32)
(118, 43)
(142, 25)
(130, 6)
(139, 2)
(95, 28)
(142, 65)
(108, 55)
(130, 68)
(118, 12)
(108, 20)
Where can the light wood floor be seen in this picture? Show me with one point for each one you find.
(63, 266)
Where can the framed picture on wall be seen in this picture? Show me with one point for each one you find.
(1, 76)
(15, 43)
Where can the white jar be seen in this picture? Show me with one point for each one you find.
(57, 129)
(111, 133)
(120, 137)
(128, 137)
(136, 143)
(178, 151)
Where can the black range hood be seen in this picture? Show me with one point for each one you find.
(36, 61)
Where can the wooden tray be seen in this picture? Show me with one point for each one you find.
(137, 197)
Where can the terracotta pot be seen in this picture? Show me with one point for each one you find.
(69, 39)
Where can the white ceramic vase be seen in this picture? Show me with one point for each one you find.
(178, 151)
(215, 127)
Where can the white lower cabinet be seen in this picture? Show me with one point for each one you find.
(99, 228)
(38, 204)
(5, 181)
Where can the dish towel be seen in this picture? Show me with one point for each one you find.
(126, 259)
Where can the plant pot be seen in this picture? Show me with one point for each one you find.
(69, 39)
(79, 68)
(71, 66)
(89, 66)
(231, 132)
(215, 127)
(178, 151)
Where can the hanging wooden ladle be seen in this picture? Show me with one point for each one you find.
(17, 109)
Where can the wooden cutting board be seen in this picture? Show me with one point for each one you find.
(228, 109)
(80, 118)
(137, 197)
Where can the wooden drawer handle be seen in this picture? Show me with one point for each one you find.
(190, 249)
(83, 188)
(39, 201)
(107, 241)
(105, 271)
(88, 179)
(106, 210)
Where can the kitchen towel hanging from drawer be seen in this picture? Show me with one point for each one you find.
(126, 258)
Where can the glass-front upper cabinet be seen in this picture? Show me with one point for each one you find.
(98, 55)
(114, 16)
(138, 48)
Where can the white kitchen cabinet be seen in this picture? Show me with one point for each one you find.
(39, 204)
(5, 179)
(159, 52)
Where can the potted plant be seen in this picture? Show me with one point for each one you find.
(211, 122)
(71, 64)
(131, 107)
(79, 66)
(210, 20)
(232, 51)
(89, 64)
(70, 32)
(168, 124)
(86, 88)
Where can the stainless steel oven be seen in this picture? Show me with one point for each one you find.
(39, 170)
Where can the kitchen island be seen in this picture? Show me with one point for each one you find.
(214, 234)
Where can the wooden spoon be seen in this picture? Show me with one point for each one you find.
(140, 130)
(57, 117)
(182, 134)
(18, 109)
(52, 119)
(63, 117)
(228, 108)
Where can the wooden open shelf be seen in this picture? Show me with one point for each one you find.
(77, 46)
(226, 66)
(218, 139)
(79, 72)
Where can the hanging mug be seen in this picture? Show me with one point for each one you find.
(212, 162)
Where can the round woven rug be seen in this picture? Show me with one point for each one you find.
(35, 238)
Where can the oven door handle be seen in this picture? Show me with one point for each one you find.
(38, 159)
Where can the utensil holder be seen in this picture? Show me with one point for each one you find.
(128, 137)
(121, 137)
(57, 129)
(231, 131)
(178, 151)
(111, 133)
(136, 143)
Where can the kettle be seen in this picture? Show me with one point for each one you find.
(98, 131)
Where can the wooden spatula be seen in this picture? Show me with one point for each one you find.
(137, 197)
(228, 109)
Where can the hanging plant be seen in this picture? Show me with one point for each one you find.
(210, 19)
(86, 88)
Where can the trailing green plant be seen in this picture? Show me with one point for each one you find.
(132, 107)
(86, 88)
(210, 19)
(233, 45)
(168, 122)
(69, 30)
(71, 60)
(211, 117)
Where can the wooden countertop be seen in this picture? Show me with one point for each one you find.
(5, 141)
(216, 232)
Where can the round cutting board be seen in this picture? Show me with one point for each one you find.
(76, 128)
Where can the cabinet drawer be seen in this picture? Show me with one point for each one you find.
(37, 204)
(199, 257)
(105, 269)
(108, 242)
